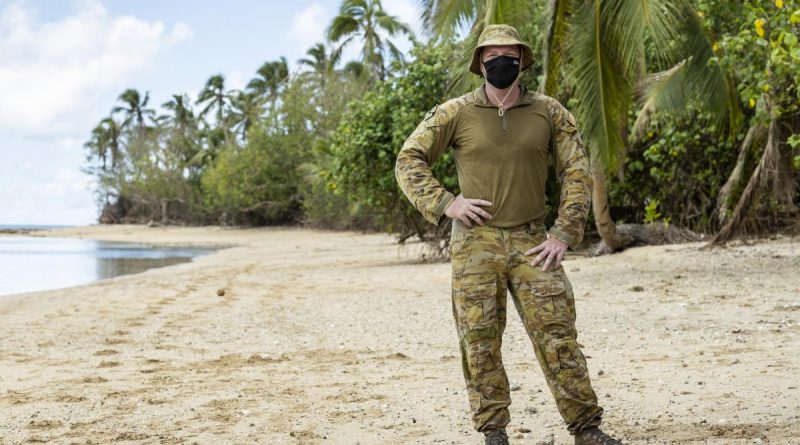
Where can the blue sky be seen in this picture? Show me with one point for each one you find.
(63, 63)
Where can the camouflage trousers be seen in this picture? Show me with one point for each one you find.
(487, 263)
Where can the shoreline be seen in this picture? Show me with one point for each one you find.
(80, 258)
(299, 336)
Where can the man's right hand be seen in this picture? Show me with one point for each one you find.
(467, 210)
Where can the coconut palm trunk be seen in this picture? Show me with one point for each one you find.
(606, 227)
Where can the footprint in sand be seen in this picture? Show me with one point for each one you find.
(44, 424)
(93, 379)
(222, 410)
(106, 352)
(128, 435)
(16, 397)
(68, 398)
(134, 321)
(115, 341)
(151, 361)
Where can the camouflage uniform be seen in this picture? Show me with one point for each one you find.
(488, 261)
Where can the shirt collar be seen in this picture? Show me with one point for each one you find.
(482, 100)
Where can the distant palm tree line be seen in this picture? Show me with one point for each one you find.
(235, 111)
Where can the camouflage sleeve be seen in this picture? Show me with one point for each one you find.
(413, 166)
(574, 173)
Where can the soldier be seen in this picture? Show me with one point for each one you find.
(501, 135)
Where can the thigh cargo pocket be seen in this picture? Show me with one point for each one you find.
(475, 303)
(553, 300)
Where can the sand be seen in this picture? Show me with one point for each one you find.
(296, 336)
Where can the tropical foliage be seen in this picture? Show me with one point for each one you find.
(690, 111)
(365, 19)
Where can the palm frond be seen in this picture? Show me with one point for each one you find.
(559, 17)
(392, 25)
(343, 44)
(462, 78)
(394, 52)
(707, 82)
(693, 77)
(513, 12)
(602, 90)
(631, 23)
(665, 90)
(342, 26)
(442, 18)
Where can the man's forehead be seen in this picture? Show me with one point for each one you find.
(500, 49)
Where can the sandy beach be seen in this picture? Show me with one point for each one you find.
(296, 336)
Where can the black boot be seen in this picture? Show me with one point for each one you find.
(593, 436)
(496, 437)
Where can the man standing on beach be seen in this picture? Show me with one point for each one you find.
(502, 135)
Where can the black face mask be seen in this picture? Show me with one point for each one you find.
(502, 71)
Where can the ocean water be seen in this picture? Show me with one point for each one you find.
(31, 226)
(30, 264)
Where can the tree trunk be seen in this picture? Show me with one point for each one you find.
(164, 213)
(755, 135)
(602, 218)
(754, 185)
(782, 172)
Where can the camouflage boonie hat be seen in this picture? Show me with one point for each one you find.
(499, 35)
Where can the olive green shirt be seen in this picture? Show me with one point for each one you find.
(502, 159)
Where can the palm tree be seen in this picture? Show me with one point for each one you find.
(180, 113)
(214, 96)
(321, 63)
(247, 109)
(270, 79)
(183, 132)
(599, 45)
(365, 19)
(605, 55)
(105, 142)
(134, 108)
(354, 69)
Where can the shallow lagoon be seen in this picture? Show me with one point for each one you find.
(29, 264)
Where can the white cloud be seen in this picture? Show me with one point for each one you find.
(65, 183)
(181, 31)
(48, 70)
(66, 196)
(236, 80)
(308, 26)
(406, 11)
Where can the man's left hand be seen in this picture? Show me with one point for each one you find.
(551, 251)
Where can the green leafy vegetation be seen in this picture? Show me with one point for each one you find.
(691, 111)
